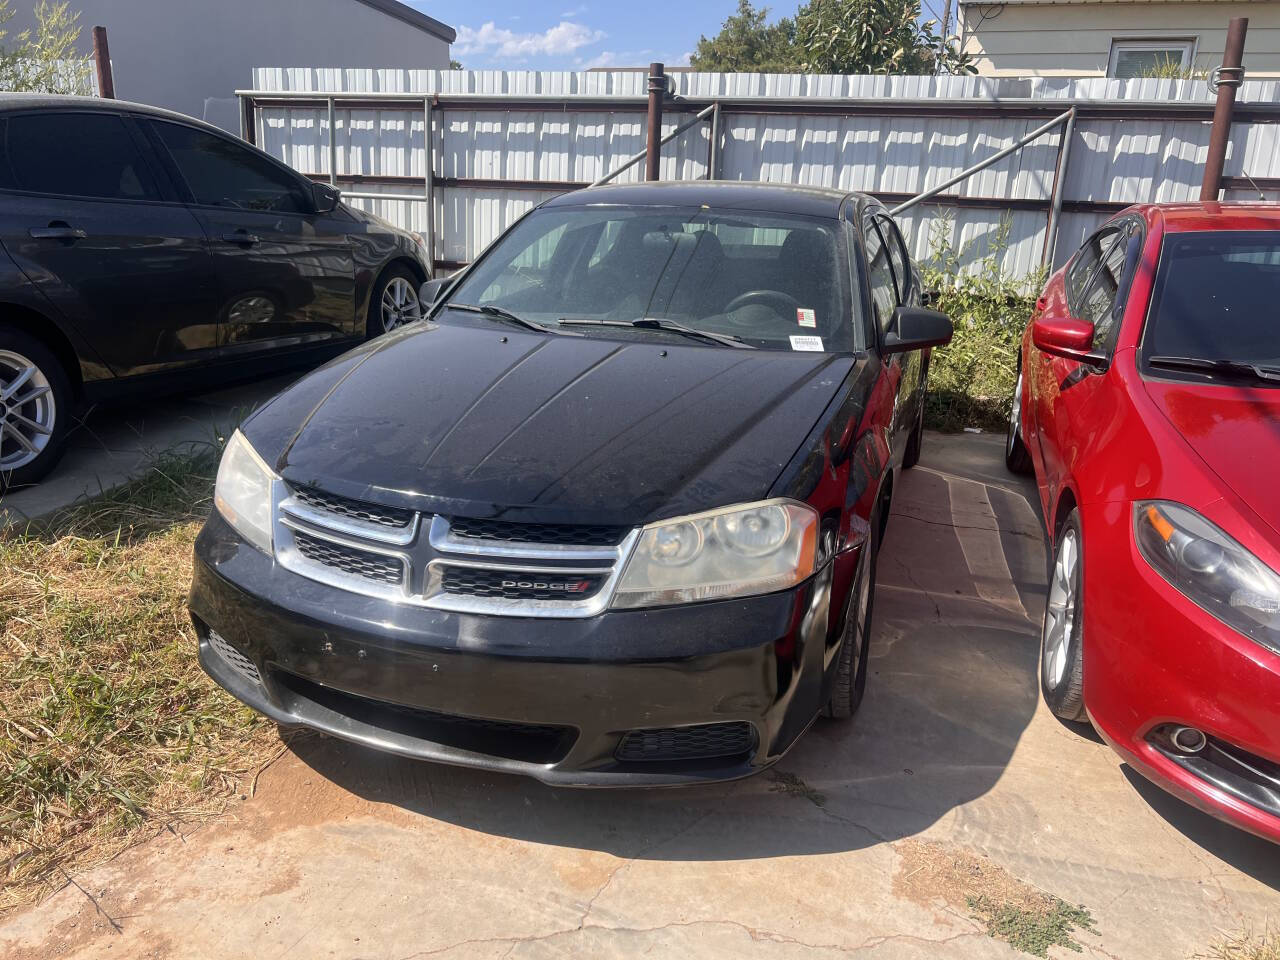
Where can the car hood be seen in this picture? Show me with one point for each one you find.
(490, 422)
(1235, 430)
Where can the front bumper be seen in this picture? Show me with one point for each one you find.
(1154, 660)
(552, 699)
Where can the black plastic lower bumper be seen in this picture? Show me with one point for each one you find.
(716, 690)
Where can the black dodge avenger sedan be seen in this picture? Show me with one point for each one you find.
(607, 515)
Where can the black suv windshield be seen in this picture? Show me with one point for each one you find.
(1215, 299)
(765, 280)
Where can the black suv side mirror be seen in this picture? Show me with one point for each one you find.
(325, 197)
(915, 328)
(430, 291)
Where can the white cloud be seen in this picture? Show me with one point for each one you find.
(575, 12)
(563, 38)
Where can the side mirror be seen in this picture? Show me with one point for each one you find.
(915, 328)
(325, 197)
(1066, 337)
(430, 291)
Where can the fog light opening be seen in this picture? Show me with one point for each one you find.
(1188, 740)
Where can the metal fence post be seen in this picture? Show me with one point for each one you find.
(1059, 190)
(102, 64)
(333, 146)
(653, 146)
(248, 120)
(429, 175)
(713, 150)
(1226, 78)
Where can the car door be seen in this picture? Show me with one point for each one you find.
(285, 273)
(1095, 290)
(910, 391)
(883, 292)
(93, 223)
(891, 278)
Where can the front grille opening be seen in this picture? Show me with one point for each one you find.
(515, 585)
(236, 660)
(560, 534)
(395, 518)
(528, 743)
(354, 562)
(1252, 779)
(703, 742)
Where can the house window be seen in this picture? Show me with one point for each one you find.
(1139, 58)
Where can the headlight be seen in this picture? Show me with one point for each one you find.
(243, 492)
(734, 552)
(1212, 570)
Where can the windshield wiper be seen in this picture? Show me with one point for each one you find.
(1237, 368)
(653, 323)
(499, 313)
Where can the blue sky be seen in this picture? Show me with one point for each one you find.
(573, 35)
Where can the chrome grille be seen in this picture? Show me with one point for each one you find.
(701, 742)
(503, 531)
(518, 585)
(358, 510)
(350, 560)
(236, 660)
(462, 565)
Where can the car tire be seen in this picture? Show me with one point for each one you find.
(394, 301)
(1061, 644)
(1016, 456)
(850, 679)
(35, 408)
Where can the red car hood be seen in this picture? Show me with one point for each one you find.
(1236, 431)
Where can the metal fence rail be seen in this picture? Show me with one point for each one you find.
(459, 155)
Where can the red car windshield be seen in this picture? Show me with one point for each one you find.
(1215, 298)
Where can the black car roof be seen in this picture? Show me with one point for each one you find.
(11, 102)
(720, 194)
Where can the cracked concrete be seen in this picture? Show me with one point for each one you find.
(348, 854)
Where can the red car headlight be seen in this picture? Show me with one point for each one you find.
(1210, 568)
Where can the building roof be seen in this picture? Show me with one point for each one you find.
(415, 18)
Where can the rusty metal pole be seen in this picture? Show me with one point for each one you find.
(1228, 77)
(653, 142)
(102, 63)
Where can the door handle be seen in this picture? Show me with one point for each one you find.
(242, 237)
(57, 231)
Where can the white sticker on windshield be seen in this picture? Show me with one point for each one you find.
(806, 343)
(806, 317)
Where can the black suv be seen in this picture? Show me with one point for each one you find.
(617, 522)
(144, 250)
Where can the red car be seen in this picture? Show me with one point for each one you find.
(1148, 405)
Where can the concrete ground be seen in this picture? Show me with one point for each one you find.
(111, 444)
(349, 854)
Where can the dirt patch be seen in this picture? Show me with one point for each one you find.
(792, 785)
(1011, 909)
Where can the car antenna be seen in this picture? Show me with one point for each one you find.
(1261, 195)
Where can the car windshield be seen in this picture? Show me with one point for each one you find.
(1215, 298)
(766, 280)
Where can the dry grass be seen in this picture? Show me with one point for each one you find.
(109, 729)
(1012, 910)
(1249, 945)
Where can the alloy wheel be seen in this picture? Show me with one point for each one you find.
(1063, 608)
(1015, 415)
(862, 601)
(399, 304)
(27, 410)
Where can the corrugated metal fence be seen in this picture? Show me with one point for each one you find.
(502, 141)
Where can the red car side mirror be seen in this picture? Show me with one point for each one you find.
(1068, 338)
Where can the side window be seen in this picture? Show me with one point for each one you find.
(1084, 263)
(897, 256)
(1103, 298)
(76, 154)
(884, 296)
(220, 173)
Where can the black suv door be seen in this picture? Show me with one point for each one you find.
(92, 223)
(286, 274)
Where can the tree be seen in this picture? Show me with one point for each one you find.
(874, 36)
(43, 60)
(455, 64)
(747, 43)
